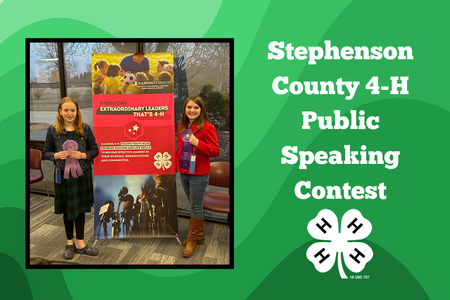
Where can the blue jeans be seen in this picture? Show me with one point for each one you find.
(195, 187)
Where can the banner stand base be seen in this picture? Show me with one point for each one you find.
(176, 236)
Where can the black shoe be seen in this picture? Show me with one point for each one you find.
(68, 253)
(87, 250)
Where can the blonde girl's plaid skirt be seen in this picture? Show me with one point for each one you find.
(75, 195)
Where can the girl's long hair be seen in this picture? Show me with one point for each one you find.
(100, 64)
(78, 123)
(200, 121)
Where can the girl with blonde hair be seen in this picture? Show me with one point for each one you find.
(71, 145)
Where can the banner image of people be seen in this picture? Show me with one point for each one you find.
(135, 206)
(133, 118)
(136, 73)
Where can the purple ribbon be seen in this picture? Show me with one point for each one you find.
(72, 164)
(186, 150)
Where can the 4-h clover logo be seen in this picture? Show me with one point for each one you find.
(353, 227)
(163, 160)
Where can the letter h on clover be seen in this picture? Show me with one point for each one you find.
(353, 227)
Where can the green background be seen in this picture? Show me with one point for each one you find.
(410, 238)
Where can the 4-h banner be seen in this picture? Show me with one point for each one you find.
(133, 117)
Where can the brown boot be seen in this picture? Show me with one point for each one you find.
(201, 233)
(194, 228)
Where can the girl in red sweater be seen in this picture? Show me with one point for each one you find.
(197, 142)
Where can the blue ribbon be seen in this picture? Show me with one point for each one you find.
(186, 150)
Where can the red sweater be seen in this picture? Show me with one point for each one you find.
(208, 146)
